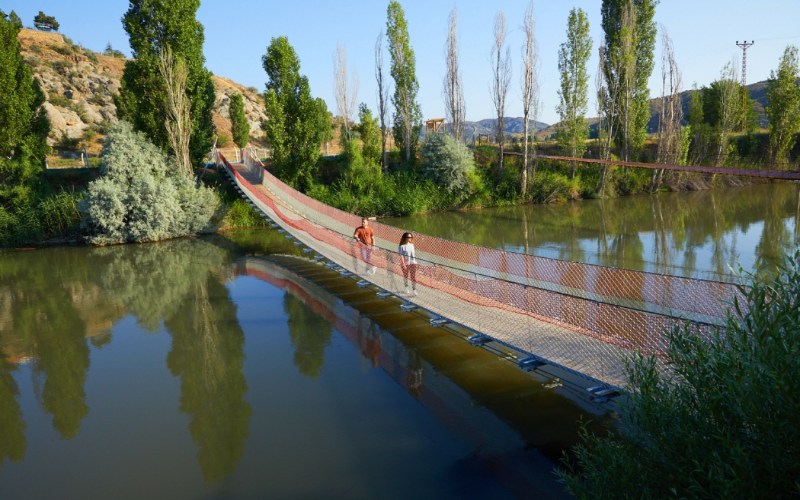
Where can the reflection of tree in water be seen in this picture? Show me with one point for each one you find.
(208, 356)
(309, 332)
(12, 426)
(152, 280)
(43, 322)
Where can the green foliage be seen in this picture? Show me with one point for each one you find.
(629, 48)
(141, 197)
(783, 111)
(408, 115)
(574, 93)
(396, 194)
(112, 52)
(370, 133)
(41, 19)
(448, 163)
(151, 26)
(240, 127)
(23, 142)
(297, 123)
(722, 422)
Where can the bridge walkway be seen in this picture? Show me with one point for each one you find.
(518, 302)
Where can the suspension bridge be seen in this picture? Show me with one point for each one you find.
(585, 319)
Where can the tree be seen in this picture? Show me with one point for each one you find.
(178, 121)
(23, 143)
(607, 111)
(670, 137)
(151, 26)
(574, 92)
(370, 136)
(720, 419)
(141, 196)
(629, 46)
(42, 19)
(448, 162)
(240, 127)
(453, 90)
(700, 131)
(729, 105)
(297, 123)
(408, 116)
(501, 68)
(530, 89)
(345, 89)
(383, 97)
(783, 110)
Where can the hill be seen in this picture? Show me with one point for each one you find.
(79, 85)
(757, 91)
(511, 125)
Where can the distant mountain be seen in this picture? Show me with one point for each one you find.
(511, 126)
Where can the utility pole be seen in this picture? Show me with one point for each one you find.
(744, 45)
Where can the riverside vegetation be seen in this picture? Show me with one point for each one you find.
(723, 425)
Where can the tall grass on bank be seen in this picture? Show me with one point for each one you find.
(52, 216)
(723, 423)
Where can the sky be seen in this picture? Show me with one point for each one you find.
(237, 32)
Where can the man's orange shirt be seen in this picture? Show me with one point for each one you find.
(365, 235)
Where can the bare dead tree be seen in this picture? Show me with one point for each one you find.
(383, 97)
(501, 65)
(670, 139)
(530, 90)
(453, 89)
(178, 121)
(345, 89)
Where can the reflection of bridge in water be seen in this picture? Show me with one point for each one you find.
(481, 397)
(580, 317)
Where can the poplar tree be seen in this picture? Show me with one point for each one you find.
(24, 124)
(629, 46)
(408, 115)
(297, 123)
(783, 110)
(153, 25)
(574, 92)
(240, 127)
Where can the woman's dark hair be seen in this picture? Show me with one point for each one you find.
(405, 238)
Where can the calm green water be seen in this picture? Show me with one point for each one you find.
(701, 234)
(201, 369)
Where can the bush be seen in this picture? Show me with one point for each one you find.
(723, 422)
(141, 197)
(448, 163)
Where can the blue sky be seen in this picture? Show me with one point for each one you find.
(237, 33)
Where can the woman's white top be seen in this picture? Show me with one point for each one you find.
(407, 254)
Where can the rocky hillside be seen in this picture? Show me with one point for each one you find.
(79, 86)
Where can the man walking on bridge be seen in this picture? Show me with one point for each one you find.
(366, 238)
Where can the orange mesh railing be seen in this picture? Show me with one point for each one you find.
(581, 316)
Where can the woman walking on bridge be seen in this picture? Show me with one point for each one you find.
(408, 262)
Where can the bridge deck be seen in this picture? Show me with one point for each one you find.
(440, 292)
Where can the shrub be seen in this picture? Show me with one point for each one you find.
(448, 162)
(140, 196)
(722, 423)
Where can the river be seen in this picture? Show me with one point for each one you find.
(233, 367)
(703, 234)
